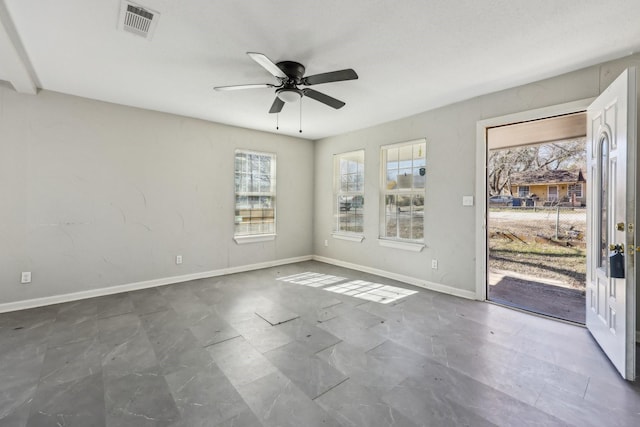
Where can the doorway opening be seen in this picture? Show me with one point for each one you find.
(536, 216)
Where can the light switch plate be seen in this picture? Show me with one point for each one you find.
(467, 200)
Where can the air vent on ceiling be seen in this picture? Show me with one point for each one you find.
(137, 19)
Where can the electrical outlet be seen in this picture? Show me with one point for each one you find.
(326, 243)
(26, 277)
(434, 264)
(178, 259)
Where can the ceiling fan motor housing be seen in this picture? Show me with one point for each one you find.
(293, 70)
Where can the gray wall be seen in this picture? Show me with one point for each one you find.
(451, 152)
(96, 194)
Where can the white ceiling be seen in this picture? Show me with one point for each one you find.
(411, 55)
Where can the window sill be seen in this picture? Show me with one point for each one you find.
(349, 237)
(405, 246)
(254, 238)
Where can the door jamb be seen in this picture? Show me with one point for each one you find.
(481, 175)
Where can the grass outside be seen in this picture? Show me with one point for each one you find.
(544, 260)
(526, 244)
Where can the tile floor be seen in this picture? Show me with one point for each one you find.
(251, 350)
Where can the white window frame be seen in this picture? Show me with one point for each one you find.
(263, 230)
(571, 191)
(352, 193)
(411, 244)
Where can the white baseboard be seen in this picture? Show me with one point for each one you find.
(57, 299)
(400, 277)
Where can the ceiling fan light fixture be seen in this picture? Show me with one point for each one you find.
(289, 94)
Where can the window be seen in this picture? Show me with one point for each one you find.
(523, 191)
(403, 190)
(348, 201)
(603, 183)
(255, 182)
(575, 190)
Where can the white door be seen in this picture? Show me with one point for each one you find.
(553, 193)
(611, 158)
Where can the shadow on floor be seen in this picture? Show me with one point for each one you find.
(532, 295)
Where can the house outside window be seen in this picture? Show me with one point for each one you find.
(255, 190)
(348, 200)
(523, 191)
(403, 191)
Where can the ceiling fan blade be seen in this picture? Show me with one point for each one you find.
(277, 105)
(267, 64)
(240, 87)
(325, 99)
(333, 76)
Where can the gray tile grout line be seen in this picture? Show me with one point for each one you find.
(329, 346)
(383, 342)
(327, 391)
(332, 305)
(286, 321)
(279, 323)
(220, 342)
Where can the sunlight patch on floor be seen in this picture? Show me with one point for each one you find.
(314, 280)
(370, 291)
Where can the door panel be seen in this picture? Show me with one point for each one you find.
(611, 135)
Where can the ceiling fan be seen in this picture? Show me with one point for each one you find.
(290, 75)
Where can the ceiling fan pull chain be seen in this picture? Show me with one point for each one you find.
(277, 121)
(300, 115)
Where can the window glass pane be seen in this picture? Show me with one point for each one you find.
(349, 192)
(405, 155)
(350, 182)
(404, 170)
(242, 159)
(350, 215)
(344, 166)
(405, 178)
(265, 165)
(417, 223)
(419, 154)
(344, 183)
(604, 200)
(360, 178)
(241, 202)
(352, 167)
(392, 158)
(391, 179)
(419, 174)
(265, 183)
(404, 216)
(255, 185)
(391, 217)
